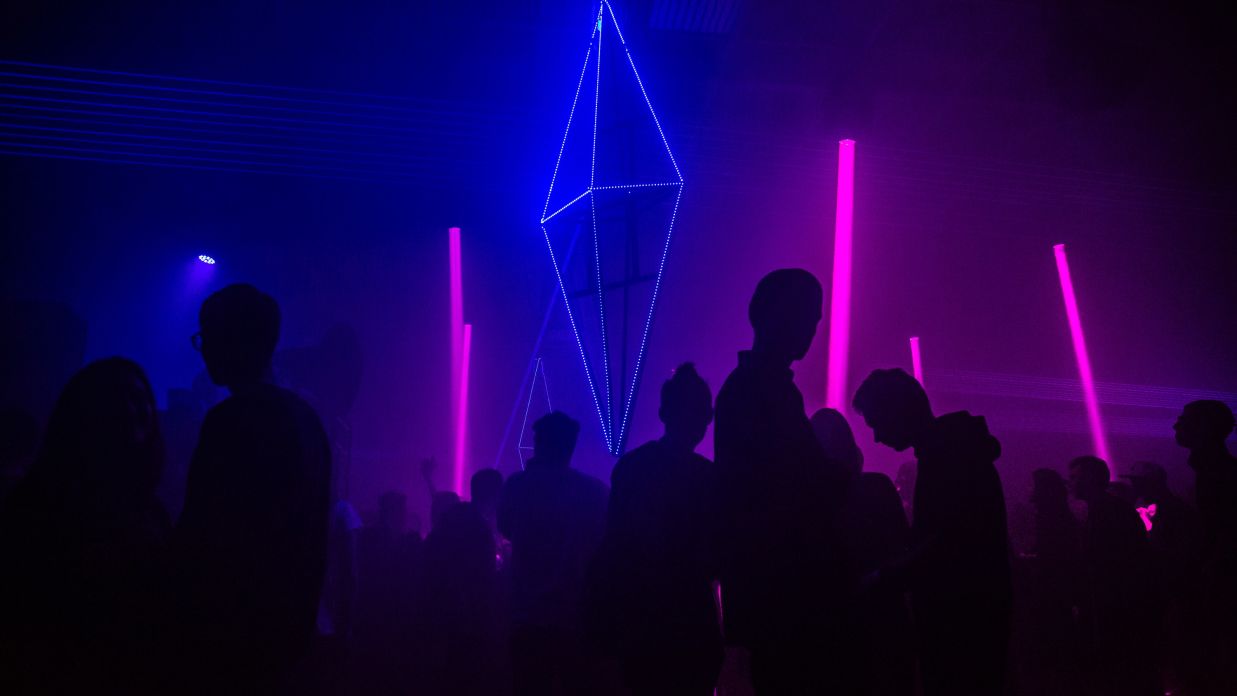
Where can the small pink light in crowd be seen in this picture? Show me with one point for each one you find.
(456, 323)
(1084, 360)
(461, 414)
(839, 303)
(1147, 514)
(916, 360)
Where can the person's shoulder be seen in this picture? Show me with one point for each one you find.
(738, 380)
(587, 481)
(639, 455)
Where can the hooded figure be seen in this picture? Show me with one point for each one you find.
(957, 570)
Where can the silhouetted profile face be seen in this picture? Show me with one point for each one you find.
(785, 311)
(554, 439)
(1088, 477)
(837, 440)
(1204, 424)
(686, 406)
(103, 430)
(239, 327)
(894, 406)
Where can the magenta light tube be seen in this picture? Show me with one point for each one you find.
(456, 323)
(839, 303)
(461, 413)
(916, 360)
(1084, 359)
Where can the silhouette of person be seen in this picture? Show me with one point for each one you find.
(1115, 603)
(483, 490)
(873, 532)
(1048, 590)
(440, 503)
(82, 537)
(19, 441)
(251, 542)
(904, 481)
(457, 610)
(554, 517)
(389, 560)
(1203, 428)
(957, 569)
(1176, 543)
(658, 561)
(781, 575)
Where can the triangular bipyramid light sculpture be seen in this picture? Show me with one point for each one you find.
(618, 186)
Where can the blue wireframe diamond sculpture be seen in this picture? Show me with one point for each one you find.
(615, 192)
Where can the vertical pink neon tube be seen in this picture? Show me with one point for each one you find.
(916, 360)
(461, 413)
(1084, 359)
(455, 328)
(839, 304)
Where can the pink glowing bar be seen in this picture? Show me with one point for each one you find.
(455, 327)
(839, 304)
(1084, 359)
(457, 308)
(916, 360)
(461, 413)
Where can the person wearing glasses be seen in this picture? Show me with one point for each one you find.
(250, 546)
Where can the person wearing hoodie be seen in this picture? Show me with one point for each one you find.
(957, 568)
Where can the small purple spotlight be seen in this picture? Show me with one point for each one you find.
(208, 260)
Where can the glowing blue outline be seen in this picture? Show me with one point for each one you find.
(570, 203)
(608, 425)
(614, 442)
(648, 322)
(571, 318)
(571, 114)
(631, 186)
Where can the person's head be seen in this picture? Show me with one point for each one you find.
(393, 511)
(895, 407)
(1089, 477)
(1149, 481)
(238, 331)
(686, 406)
(1048, 490)
(103, 433)
(837, 439)
(785, 311)
(484, 488)
(554, 439)
(440, 503)
(1204, 424)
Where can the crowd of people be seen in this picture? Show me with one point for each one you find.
(780, 568)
